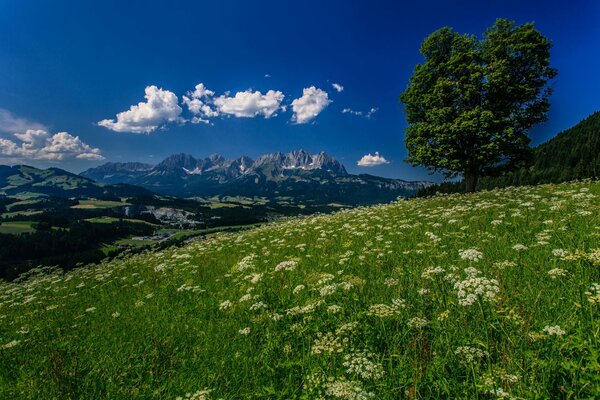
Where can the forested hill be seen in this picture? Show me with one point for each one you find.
(572, 154)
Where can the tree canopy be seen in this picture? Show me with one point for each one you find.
(470, 105)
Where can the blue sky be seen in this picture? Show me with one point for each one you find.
(66, 65)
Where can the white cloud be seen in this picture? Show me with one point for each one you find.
(10, 123)
(338, 87)
(307, 107)
(161, 106)
(250, 104)
(367, 114)
(196, 102)
(370, 160)
(40, 145)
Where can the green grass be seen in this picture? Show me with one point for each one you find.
(378, 302)
(20, 213)
(99, 204)
(109, 220)
(16, 227)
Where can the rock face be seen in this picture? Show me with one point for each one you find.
(298, 174)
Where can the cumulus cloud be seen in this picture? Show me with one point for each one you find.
(37, 144)
(250, 104)
(307, 107)
(367, 114)
(370, 160)
(196, 103)
(161, 106)
(10, 123)
(338, 87)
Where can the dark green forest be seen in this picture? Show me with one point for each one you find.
(572, 154)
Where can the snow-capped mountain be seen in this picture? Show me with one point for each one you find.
(297, 173)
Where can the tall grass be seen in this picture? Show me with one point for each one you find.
(490, 295)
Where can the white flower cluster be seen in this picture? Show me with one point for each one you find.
(594, 294)
(417, 323)
(245, 263)
(557, 272)
(328, 343)
(433, 237)
(430, 273)
(470, 255)
(554, 330)
(245, 331)
(470, 354)
(559, 253)
(306, 309)
(289, 265)
(476, 287)
(346, 390)
(385, 310)
(199, 395)
(360, 363)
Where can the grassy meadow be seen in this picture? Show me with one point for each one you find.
(482, 296)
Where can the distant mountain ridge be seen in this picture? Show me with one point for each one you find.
(23, 179)
(298, 174)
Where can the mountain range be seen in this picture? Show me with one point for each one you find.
(298, 174)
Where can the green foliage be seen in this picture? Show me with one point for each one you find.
(489, 295)
(471, 103)
(572, 154)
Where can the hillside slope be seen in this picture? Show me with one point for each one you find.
(572, 154)
(30, 181)
(490, 295)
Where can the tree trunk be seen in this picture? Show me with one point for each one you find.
(471, 181)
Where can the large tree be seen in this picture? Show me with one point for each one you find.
(472, 102)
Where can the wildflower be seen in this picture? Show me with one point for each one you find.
(389, 282)
(557, 272)
(384, 310)
(476, 287)
(327, 343)
(347, 390)
(429, 273)
(245, 331)
(559, 253)
(334, 309)
(519, 247)
(286, 266)
(470, 254)
(306, 309)
(258, 306)
(417, 323)
(361, 363)
(11, 344)
(199, 395)
(225, 305)
(443, 315)
(469, 354)
(116, 314)
(298, 289)
(90, 309)
(594, 294)
(554, 330)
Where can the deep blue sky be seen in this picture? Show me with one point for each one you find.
(68, 64)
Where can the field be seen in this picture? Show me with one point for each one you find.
(16, 227)
(91, 204)
(482, 296)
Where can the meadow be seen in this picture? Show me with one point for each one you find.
(481, 296)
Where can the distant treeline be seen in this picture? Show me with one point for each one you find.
(79, 242)
(572, 154)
